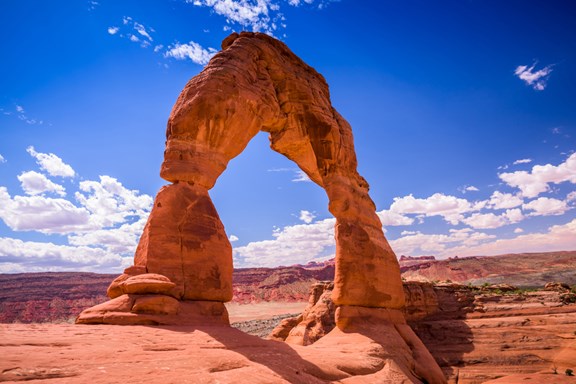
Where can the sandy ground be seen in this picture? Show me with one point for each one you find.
(260, 311)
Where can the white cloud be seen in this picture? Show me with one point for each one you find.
(113, 30)
(538, 179)
(192, 51)
(110, 203)
(142, 31)
(134, 38)
(41, 214)
(485, 220)
(21, 114)
(2, 159)
(122, 240)
(571, 196)
(449, 207)
(34, 183)
(556, 238)
(257, 15)
(518, 230)
(389, 218)
(51, 163)
(545, 206)
(471, 188)
(307, 216)
(28, 256)
(500, 200)
(233, 238)
(297, 244)
(419, 243)
(301, 176)
(514, 215)
(537, 79)
(522, 161)
(247, 13)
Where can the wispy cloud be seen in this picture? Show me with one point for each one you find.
(51, 163)
(2, 159)
(536, 79)
(522, 161)
(192, 51)
(133, 31)
(257, 15)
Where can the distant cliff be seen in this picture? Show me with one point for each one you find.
(50, 297)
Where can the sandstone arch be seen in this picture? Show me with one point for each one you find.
(182, 271)
(257, 84)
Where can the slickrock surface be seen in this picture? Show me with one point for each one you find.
(147, 354)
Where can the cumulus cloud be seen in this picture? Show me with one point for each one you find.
(307, 216)
(192, 51)
(113, 30)
(41, 214)
(538, 180)
(34, 183)
(485, 220)
(557, 238)
(450, 208)
(233, 238)
(536, 79)
(500, 200)
(122, 240)
(296, 244)
(110, 203)
(440, 244)
(545, 206)
(51, 163)
(389, 218)
(28, 256)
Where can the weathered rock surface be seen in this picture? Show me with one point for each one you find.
(474, 334)
(317, 319)
(185, 241)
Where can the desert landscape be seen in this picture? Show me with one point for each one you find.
(476, 285)
(477, 333)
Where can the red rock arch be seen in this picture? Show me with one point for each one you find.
(257, 84)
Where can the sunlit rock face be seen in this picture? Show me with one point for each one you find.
(257, 84)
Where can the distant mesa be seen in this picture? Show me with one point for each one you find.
(182, 271)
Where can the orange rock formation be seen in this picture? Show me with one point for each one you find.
(257, 84)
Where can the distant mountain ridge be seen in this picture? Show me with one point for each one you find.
(60, 296)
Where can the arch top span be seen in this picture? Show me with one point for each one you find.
(257, 84)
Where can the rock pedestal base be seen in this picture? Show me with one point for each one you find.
(151, 299)
(155, 310)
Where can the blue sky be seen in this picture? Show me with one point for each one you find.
(463, 113)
